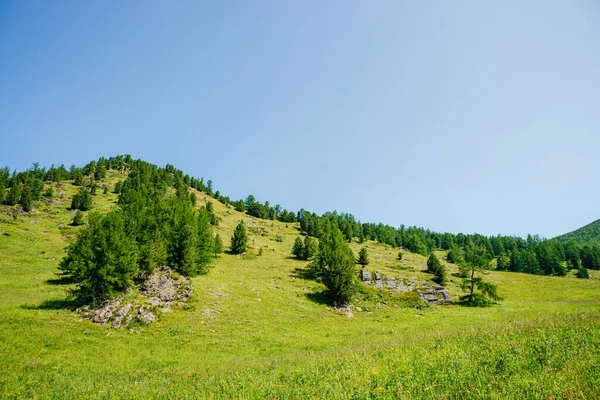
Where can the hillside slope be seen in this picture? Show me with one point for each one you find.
(257, 327)
(586, 235)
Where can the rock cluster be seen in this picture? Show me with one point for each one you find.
(161, 290)
(434, 295)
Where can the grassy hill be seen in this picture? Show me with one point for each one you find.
(257, 328)
(586, 235)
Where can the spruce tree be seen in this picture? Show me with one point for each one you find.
(205, 241)
(14, 194)
(582, 273)
(218, 245)
(239, 240)
(433, 263)
(82, 200)
(335, 263)
(103, 260)
(26, 199)
(310, 248)
(78, 219)
(476, 261)
(363, 257)
(298, 248)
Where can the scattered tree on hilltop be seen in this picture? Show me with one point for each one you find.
(335, 264)
(582, 273)
(78, 218)
(437, 269)
(239, 240)
(82, 200)
(218, 245)
(310, 248)
(298, 248)
(476, 260)
(363, 257)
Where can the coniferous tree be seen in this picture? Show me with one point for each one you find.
(82, 200)
(298, 248)
(582, 273)
(205, 241)
(103, 260)
(433, 263)
(78, 219)
(187, 253)
(49, 193)
(501, 264)
(78, 179)
(335, 263)
(455, 255)
(363, 257)
(218, 245)
(476, 259)
(13, 195)
(26, 199)
(310, 248)
(154, 255)
(239, 240)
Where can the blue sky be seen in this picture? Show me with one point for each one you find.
(459, 116)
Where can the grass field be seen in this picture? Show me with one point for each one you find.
(257, 328)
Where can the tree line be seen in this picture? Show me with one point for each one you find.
(167, 228)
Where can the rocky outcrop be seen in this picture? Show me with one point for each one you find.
(158, 293)
(435, 294)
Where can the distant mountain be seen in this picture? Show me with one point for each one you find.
(589, 234)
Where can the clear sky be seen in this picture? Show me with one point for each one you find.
(459, 116)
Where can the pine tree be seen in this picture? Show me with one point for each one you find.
(298, 248)
(205, 241)
(218, 245)
(476, 260)
(14, 194)
(187, 253)
(82, 200)
(433, 263)
(582, 273)
(103, 260)
(78, 219)
(335, 263)
(26, 199)
(363, 257)
(154, 256)
(310, 248)
(239, 240)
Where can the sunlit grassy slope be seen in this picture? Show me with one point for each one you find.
(258, 329)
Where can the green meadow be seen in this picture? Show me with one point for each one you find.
(258, 328)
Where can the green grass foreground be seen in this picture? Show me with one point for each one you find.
(257, 328)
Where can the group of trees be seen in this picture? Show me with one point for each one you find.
(150, 228)
(167, 228)
(305, 250)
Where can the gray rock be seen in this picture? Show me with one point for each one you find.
(121, 314)
(446, 296)
(365, 276)
(402, 287)
(103, 315)
(155, 301)
(146, 316)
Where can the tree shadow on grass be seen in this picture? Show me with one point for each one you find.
(302, 273)
(319, 297)
(60, 281)
(55, 304)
